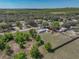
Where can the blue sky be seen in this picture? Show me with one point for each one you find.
(38, 3)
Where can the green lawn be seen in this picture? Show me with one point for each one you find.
(40, 11)
(69, 51)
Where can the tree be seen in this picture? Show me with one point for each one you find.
(32, 23)
(18, 24)
(8, 36)
(21, 38)
(39, 40)
(3, 25)
(55, 25)
(26, 36)
(33, 33)
(35, 52)
(20, 55)
(2, 43)
(48, 46)
(45, 24)
(4, 39)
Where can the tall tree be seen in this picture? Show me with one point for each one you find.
(33, 33)
(55, 25)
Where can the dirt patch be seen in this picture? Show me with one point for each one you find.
(14, 46)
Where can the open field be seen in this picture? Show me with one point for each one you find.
(39, 11)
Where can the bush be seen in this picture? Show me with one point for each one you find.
(35, 52)
(2, 43)
(55, 25)
(39, 40)
(39, 43)
(2, 38)
(26, 36)
(8, 36)
(18, 24)
(20, 55)
(48, 46)
(21, 38)
(33, 33)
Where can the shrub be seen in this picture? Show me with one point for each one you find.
(39, 40)
(26, 36)
(20, 38)
(39, 43)
(48, 46)
(35, 52)
(55, 25)
(18, 24)
(33, 33)
(2, 43)
(8, 36)
(20, 55)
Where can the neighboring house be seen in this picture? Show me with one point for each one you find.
(69, 24)
(61, 23)
(63, 29)
(42, 30)
(23, 24)
(33, 23)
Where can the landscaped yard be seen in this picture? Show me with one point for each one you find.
(68, 51)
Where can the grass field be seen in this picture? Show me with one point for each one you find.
(40, 11)
(69, 51)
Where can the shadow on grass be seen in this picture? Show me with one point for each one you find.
(51, 51)
(41, 56)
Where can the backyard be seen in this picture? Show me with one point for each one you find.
(69, 51)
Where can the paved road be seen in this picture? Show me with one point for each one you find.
(20, 30)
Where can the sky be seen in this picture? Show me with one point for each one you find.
(38, 3)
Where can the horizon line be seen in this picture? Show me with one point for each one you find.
(40, 8)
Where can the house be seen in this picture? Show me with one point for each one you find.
(68, 24)
(42, 30)
(63, 29)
